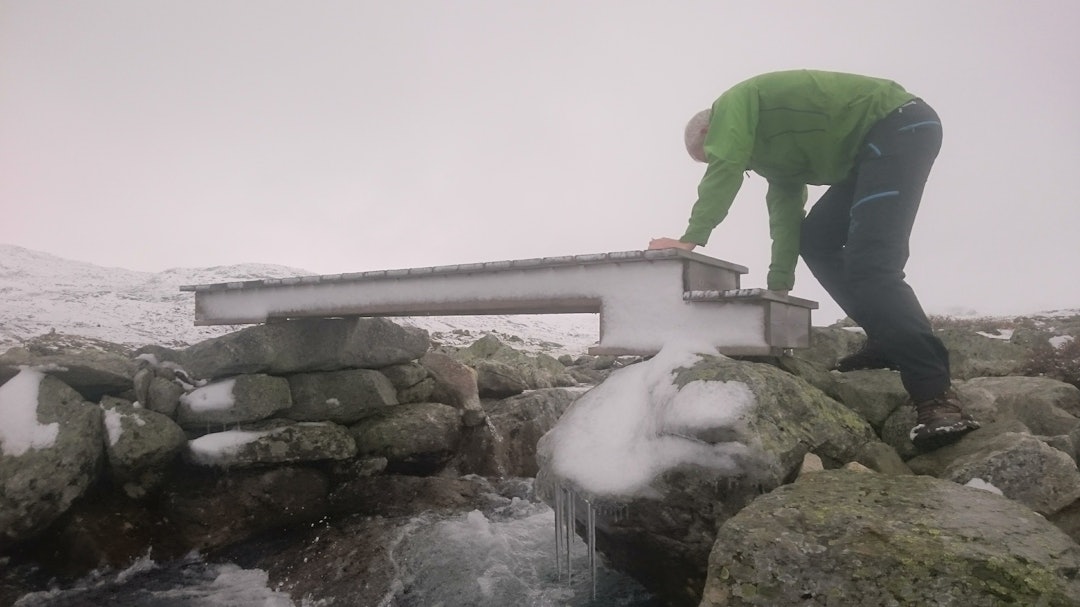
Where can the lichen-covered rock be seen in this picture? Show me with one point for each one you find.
(848, 538)
(809, 371)
(140, 445)
(1023, 468)
(1046, 406)
(241, 399)
(503, 371)
(664, 540)
(415, 438)
(274, 441)
(882, 458)
(455, 385)
(1068, 520)
(412, 382)
(830, 344)
(53, 460)
(342, 397)
(873, 394)
(974, 355)
(305, 345)
(790, 417)
(496, 379)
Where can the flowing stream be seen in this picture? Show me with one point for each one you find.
(505, 557)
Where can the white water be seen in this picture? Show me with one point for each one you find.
(506, 557)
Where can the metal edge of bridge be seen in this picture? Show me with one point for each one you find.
(471, 268)
(730, 295)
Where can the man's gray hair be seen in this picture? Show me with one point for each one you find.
(696, 130)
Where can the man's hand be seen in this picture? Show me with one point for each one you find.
(670, 243)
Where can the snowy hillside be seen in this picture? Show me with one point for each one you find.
(40, 293)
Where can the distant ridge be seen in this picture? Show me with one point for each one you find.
(40, 293)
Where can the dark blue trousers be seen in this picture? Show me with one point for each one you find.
(855, 241)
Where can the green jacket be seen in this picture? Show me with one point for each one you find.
(793, 128)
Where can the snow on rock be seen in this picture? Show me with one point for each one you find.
(1005, 334)
(628, 430)
(19, 427)
(213, 448)
(1059, 341)
(217, 396)
(979, 483)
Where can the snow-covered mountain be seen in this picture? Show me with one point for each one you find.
(41, 293)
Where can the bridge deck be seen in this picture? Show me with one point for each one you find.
(644, 298)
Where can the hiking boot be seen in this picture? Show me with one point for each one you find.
(868, 357)
(940, 421)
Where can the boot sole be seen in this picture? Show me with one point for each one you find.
(942, 436)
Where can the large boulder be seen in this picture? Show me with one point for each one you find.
(1021, 466)
(415, 438)
(1046, 406)
(1068, 520)
(506, 446)
(725, 432)
(160, 383)
(163, 395)
(342, 397)
(455, 385)
(848, 538)
(91, 367)
(303, 345)
(977, 402)
(809, 371)
(104, 529)
(412, 382)
(973, 354)
(140, 447)
(1035, 405)
(829, 344)
(208, 512)
(245, 398)
(274, 441)
(51, 448)
(873, 394)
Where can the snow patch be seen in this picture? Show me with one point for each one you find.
(211, 449)
(19, 427)
(979, 483)
(114, 423)
(1059, 341)
(625, 432)
(217, 396)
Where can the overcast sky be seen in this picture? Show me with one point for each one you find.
(340, 136)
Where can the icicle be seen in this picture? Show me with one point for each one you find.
(566, 528)
(571, 521)
(558, 531)
(590, 533)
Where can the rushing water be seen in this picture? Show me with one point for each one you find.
(505, 557)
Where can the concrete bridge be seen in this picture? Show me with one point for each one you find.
(644, 298)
